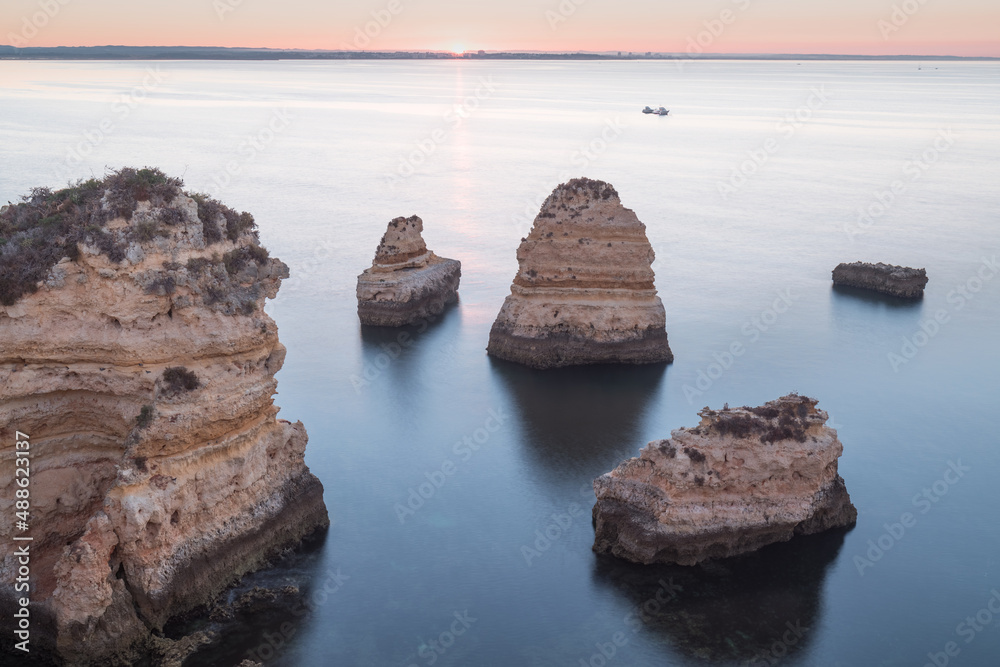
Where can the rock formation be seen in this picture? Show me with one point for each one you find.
(584, 292)
(137, 356)
(898, 281)
(406, 282)
(742, 479)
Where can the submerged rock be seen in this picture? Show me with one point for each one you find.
(584, 290)
(406, 282)
(145, 380)
(742, 479)
(900, 281)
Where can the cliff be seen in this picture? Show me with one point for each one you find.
(584, 292)
(406, 282)
(898, 281)
(141, 364)
(742, 479)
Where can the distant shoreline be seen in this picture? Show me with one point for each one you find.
(225, 53)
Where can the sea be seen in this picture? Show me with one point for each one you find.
(459, 486)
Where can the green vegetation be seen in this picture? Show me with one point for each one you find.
(236, 260)
(125, 188)
(196, 265)
(769, 422)
(171, 216)
(178, 379)
(145, 417)
(209, 212)
(46, 226)
(164, 285)
(694, 455)
(146, 231)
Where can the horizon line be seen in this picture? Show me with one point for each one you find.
(474, 52)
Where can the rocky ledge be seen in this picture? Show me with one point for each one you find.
(900, 281)
(584, 292)
(742, 479)
(406, 282)
(138, 359)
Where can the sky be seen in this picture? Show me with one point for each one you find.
(874, 27)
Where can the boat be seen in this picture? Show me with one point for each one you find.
(661, 111)
(647, 110)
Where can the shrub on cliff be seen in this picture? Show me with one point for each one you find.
(738, 425)
(236, 260)
(42, 229)
(178, 379)
(237, 225)
(769, 422)
(210, 211)
(125, 188)
(146, 231)
(145, 417)
(196, 265)
(163, 285)
(46, 226)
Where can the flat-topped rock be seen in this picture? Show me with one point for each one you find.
(901, 281)
(406, 282)
(742, 479)
(584, 291)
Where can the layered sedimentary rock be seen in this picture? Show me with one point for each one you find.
(142, 370)
(406, 282)
(584, 291)
(900, 281)
(742, 479)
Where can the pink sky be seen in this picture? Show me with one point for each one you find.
(930, 27)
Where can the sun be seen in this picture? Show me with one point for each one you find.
(458, 49)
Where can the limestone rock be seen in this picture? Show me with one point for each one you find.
(160, 473)
(742, 479)
(406, 282)
(584, 292)
(898, 281)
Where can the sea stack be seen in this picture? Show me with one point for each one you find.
(584, 292)
(900, 281)
(407, 282)
(742, 479)
(137, 368)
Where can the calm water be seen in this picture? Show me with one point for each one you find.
(334, 167)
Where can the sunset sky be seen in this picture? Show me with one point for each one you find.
(932, 27)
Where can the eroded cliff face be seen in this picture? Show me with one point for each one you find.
(584, 292)
(406, 282)
(159, 472)
(901, 281)
(742, 479)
